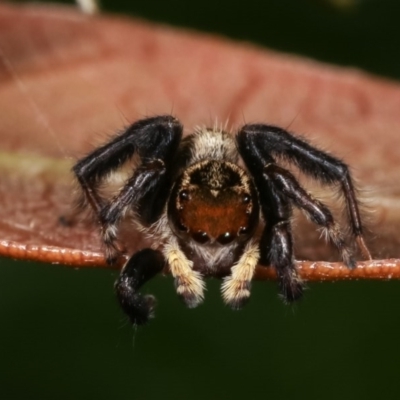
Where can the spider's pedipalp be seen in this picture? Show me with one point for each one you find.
(189, 283)
(236, 287)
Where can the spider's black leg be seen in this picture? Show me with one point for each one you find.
(141, 267)
(288, 186)
(151, 138)
(155, 140)
(263, 142)
(143, 183)
(276, 243)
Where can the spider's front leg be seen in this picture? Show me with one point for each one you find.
(263, 142)
(155, 140)
(140, 268)
(276, 243)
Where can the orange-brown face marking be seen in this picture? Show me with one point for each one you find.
(221, 217)
(215, 202)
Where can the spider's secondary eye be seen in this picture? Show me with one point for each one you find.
(225, 238)
(184, 195)
(181, 227)
(200, 237)
(246, 199)
(243, 230)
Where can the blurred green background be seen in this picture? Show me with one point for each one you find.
(63, 336)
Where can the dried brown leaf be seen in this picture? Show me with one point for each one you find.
(67, 81)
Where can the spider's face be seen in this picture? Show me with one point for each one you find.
(214, 202)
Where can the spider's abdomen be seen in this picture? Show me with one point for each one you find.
(214, 202)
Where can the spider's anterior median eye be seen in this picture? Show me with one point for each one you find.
(200, 237)
(225, 238)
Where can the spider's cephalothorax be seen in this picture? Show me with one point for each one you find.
(202, 210)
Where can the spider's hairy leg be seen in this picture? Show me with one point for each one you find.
(144, 182)
(278, 240)
(287, 184)
(189, 283)
(276, 243)
(140, 268)
(156, 141)
(263, 142)
(236, 287)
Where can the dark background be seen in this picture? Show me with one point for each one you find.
(63, 336)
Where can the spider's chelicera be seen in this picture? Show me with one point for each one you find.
(203, 210)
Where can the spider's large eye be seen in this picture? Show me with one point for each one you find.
(225, 238)
(200, 237)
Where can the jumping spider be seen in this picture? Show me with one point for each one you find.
(202, 209)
